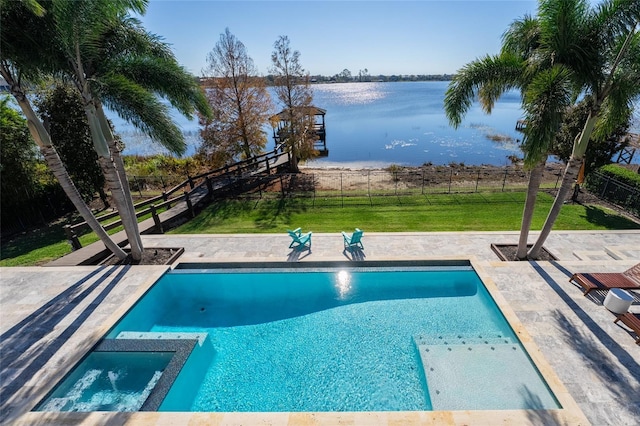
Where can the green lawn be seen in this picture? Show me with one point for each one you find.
(433, 212)
(450, 212)
(39, 246)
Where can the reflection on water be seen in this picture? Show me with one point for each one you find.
(377, 124)
(353, 93)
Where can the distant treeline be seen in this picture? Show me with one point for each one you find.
(348, 78)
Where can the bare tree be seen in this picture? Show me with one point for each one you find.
(240, 102)
(293, 88)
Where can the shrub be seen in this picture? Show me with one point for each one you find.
(621, 174)
(618, 185)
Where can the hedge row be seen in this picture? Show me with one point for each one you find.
(618, 185)
(621, 174)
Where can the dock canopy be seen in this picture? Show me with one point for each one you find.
(280, 120)
(285, 114)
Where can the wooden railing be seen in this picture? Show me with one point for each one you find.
(213, 180)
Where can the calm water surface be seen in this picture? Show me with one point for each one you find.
(377, 124)
(374, 124)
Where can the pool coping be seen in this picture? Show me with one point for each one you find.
(569, 413)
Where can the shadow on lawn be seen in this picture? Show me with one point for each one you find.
(273, 213)
(599, 216)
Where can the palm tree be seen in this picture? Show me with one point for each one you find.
(117, 61)
(601, 48)
(18, 59)
(564, 51)
(544, 94)
(109, 57)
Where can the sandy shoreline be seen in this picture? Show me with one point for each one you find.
(456, 177)
(553, 167)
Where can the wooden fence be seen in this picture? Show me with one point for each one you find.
(191, 191)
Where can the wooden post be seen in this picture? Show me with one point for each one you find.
(156, 219)
(191, 183)
(450, 179)
(477, 180)
(138, 185)
(189, 205)
(209, 187)
(281, 185)
(504, 180)
(165, 197)
(395, 180)
(341, 194)
(72, 237)
(369, 187)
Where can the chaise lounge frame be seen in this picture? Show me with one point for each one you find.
(627, 280)
(632, 321)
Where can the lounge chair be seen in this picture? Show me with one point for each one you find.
(299, 239)
(353, 240)
(628, 280)
(632, 321)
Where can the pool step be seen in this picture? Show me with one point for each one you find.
(454, 371)
(151, 335)
(460, 339)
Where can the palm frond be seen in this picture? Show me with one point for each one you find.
(522, 37)
(166, 78)
(143, 109)
(489, 77)
(27, 43)
(618, 107)
(613, 17)
(81, 25)
(546, 100)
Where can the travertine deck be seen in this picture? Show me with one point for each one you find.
(49, 317)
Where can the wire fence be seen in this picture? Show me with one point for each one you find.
(424, 181)
(614, 191)
(357, 183)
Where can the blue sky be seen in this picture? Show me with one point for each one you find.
(385, 37)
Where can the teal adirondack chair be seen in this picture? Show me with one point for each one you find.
(353, 240)
(299, 239)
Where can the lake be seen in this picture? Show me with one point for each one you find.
(378, 124)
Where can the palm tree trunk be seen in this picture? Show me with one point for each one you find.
(119, 164)
(535, 178)
(569, 177)
(112, 179)
(57, 168)
(43, 140)
(115, 185)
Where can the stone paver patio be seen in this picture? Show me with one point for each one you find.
(50, 317)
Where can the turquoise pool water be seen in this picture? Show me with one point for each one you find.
(338, 339)
(326, 339)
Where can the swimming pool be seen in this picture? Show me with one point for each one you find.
(339, 338)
